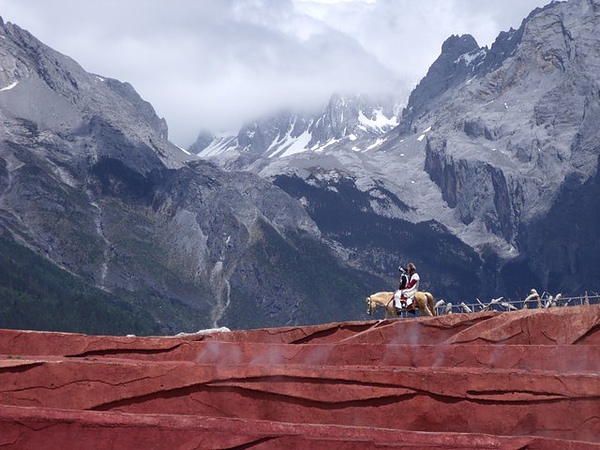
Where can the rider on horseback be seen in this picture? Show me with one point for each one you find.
(403, 297)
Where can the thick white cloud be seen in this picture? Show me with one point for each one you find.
(215, 63)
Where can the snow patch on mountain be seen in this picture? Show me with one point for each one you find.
(290, 146)
(10, 86)
(344, 120)
(380, 123)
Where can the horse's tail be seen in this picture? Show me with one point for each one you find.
(431, 303)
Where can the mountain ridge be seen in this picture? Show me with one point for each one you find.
(472, 182)
(485, 145)
(345, 119)
(90, 183)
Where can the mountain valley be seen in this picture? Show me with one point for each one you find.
(486, 179)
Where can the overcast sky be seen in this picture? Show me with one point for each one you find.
(213, 64)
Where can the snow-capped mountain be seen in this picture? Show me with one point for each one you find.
(356, 121)
(497, 147)
(107, 227)
(487, 180)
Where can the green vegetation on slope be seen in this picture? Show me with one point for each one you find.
(302, 282)
(36, 295)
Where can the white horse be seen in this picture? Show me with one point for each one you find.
(424, 301)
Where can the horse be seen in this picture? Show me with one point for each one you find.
(424, 301)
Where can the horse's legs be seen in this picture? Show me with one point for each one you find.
(431, 303)
(390, 312)
(421, 303)
(390, 308)
(426, 308)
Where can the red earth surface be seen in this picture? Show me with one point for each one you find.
(522, 379)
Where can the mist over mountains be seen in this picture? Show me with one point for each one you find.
(492, 144)
(97, 202)
(487, 180)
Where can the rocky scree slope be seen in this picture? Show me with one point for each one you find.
(90, 184)
(496, 153)
(515, 152)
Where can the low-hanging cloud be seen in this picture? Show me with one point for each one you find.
(214, 64)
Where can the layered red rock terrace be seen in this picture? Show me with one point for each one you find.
(524, 379)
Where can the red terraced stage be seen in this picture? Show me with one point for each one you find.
(522, 379)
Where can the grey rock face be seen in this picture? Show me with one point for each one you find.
(460, 54)
(490, 145)
(504, 145)
(50, 90)
(489, 184)
(89, 180)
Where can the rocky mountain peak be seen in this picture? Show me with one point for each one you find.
(493, 141)
(506, 145)
(92, 191)
(352, 117)
(344, 120)
(69, 100)
(495, 155)
(456, 46)
(459, 57)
